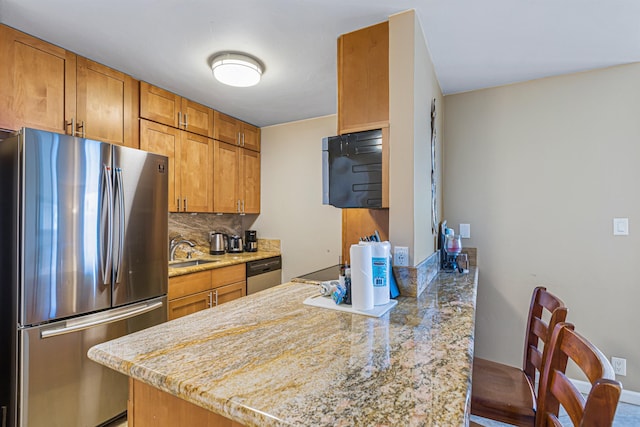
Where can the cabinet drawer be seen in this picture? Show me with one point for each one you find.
(227, 275)
(188, 284)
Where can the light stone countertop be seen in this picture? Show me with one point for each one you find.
(219, 261)
(269, 360)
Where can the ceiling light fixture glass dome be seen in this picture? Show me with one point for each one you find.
(236, 69)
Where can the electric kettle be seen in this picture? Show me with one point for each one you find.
(219, 243)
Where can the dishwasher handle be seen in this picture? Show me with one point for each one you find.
(262, 266)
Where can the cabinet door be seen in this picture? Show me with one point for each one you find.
(196, 174)
(197, 118)
(35, 79)
(159, 105)
(189, 304)
(250, 181)
(225, 128)
(230, 292)
(104, 103)
(225, 178)
(165, 140)
(250, 137)
(363, 79)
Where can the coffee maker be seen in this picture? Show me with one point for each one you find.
(250, 241)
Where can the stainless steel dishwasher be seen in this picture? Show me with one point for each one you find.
(263, 274)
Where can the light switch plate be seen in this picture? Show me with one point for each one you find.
(465, 231)
(620, 226)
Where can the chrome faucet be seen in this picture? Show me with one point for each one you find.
(174, 243)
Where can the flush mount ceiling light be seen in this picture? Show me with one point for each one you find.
(236, 69)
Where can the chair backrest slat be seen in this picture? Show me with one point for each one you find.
(556, 389)
(538, 330)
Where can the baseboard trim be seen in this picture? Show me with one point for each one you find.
(627, 396)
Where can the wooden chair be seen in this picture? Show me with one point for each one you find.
(557, 390)
(506, 393)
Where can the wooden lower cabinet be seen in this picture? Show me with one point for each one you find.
(151, 407)
(190, 304)
(193, 292)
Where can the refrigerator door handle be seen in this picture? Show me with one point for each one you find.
(121, 223)
(121, 314)
(106, 261)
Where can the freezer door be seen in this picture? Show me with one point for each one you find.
(59, 385)
(140, 249)
(65, 183)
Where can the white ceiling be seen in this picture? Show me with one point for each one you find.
(474, 44)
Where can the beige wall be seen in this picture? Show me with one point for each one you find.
(412, 86)
(291, 199)
(539, 170)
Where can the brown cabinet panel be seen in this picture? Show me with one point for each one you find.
(150, 406)
(363, 79)
(196, 175)
(165, 107)
(190, 304)
(165, 140)
(362, 222)
(231, 274)
(230, 292)
(104, 103)
(225, 128)
(250, 181)
(225, 178)
(197, 118)
(250, 137)
(35, 79)
(180, 286)
(159, 105)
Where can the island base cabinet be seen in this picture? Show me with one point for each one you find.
(150, 407)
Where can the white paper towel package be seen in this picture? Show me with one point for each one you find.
(361, 277)
(380, 252)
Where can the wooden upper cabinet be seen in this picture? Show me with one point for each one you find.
(363, 79)
(250, 137)
(35, 79)
(106, 104)
(250, 181)
(159, 105)
(190, 165)
(165, 140)
(46, 87)
(236, 132)
(165, 107)
(196, 173)
(226, 163)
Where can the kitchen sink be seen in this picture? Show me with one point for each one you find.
(191, 263)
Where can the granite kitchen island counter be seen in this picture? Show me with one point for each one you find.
(269, 360)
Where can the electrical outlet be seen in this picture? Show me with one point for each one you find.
(465, 231)
(401, 256)
(619, 365)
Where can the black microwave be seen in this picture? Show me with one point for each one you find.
(352, 170)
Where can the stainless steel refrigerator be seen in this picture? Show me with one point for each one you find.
(83, 232)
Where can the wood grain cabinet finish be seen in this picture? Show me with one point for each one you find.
(363, 79)
(193, 292)
(190, 165)
(162, 106)
(236, 178)
(46, 87)
(235, 132)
